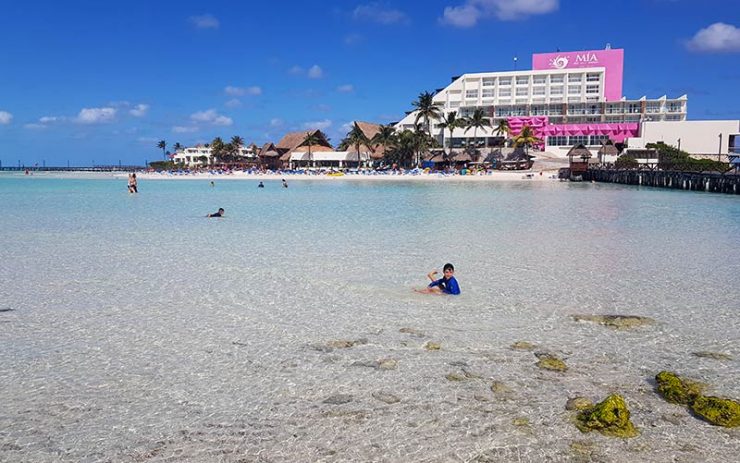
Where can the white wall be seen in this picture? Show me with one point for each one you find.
(697, 137)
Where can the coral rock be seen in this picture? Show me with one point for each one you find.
(523, 345)
(610, 417)
(615, 321)
(578, 403)
(432, 346)
(677, 390)
(718, 411)
(550, 362)
(712, 355)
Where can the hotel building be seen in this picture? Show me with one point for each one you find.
(567, 99)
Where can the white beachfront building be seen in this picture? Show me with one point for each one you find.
(202, 155)
(330, 159)
(567, 99)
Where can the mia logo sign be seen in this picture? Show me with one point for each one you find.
(578, 60)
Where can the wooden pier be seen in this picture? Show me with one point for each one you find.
(713, 182)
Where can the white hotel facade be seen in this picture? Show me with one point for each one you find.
(567, 99)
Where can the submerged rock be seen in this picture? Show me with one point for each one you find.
(387, 364)
(550, 362)
(455, 377)
(718, 411)
(521, 421)
(340, 344)
(432, 346)
(610, 417)
(677, 390)
(523, 345)
(386, 397)
(338, 399)
(712, 355)
(578, 403)
(498, 387)
(412, 331)
(615, 321)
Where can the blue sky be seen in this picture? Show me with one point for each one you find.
(105, 80)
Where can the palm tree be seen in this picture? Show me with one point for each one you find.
(237, 142)
(217, 149)
(426, 110)
(386, 137)
(422, 142)
(312, 138)
(177, 147)
(452, 122)
(163, 146)
(405, 147)
(477, 121)
(357, 137)
(503, 128)
(526, 138)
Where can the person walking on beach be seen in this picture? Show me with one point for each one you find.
(285, 184)
(445, 285)
(219, 213)
(132, 184)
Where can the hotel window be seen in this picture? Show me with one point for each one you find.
(489, 81)
(574, 89)
(556, 100)
(555, 110)
(574, 99)
(503, 112)
(539, 79)
(504, 81)
(538, 100)
(633, 108)
(487, 93)
(522, 80)
(557, 79)
(592, 89)
(538, 111)
(673, 117)
(576, 139)
(594, 109)
(674, 107)
(520, 111)
(454, 104)
(652, 108)
(556, 90)
(592, 77)
(599, 139)
(557, 141)
(522, 92)
(614, 109)
(471, 94)
(538, 91)
(576, 109)
(632, 118)
(504, 92)
(575, 78)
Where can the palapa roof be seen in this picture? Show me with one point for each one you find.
(292, 140)
(579, 151)
(608, 149)
(268, 150)
(369, 130)
(517, 155)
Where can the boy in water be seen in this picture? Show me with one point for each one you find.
(445, 285)
(220, 213)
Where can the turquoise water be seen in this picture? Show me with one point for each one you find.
(139, 327)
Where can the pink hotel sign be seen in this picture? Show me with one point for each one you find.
(612, 60)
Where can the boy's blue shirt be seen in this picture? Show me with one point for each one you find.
(447, 286)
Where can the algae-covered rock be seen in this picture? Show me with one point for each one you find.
(718, 411)
(387, 364)
(523, 345)
(677, 390)
(578, 403)
(455, 377)
(340, 344)
(386, 397)
(615, 321)
(521, 421)
(712, 355)
(432, 346)
(550, 362)
(412, 331)
(497, 387)
(610, 417)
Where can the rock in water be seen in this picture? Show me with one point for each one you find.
(412, 331)
(615, 321)
(718, 411)
(432, 346)
(340, 344)
(550, 362)
(712, 355)
(578, 403)
(523, 345)
(455, 377)
(338, 399)
(387, 364)
(677, 390)
(386, 397)
(610, 417)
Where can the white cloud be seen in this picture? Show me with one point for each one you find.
(210, 116)
(96, 115)
(241, 91)
(347, 88)
(320, 125)
(35, 126)
(468, 14)
(276, 122)
(5, 118)
(296, 70)
(139, 110)
(49, 119)
(347, 127)
(377, 13)
(233, 103)
(205, 21)
(184, 129)
(716, 38)
(315, 72)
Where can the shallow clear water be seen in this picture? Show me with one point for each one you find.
(141, 331)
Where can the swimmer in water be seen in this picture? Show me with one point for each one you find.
(445, 285)
(219, 213)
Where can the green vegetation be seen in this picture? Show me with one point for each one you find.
(671, 158)
(718, 411)
(427, 110)
(626, 162)
(452, 122)
(610, 417)
(550, 362)
(477, 121)
(526, 138)
(162, 165)
(677, 390)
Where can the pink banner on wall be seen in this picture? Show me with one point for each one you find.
(611, 60)
(541, 128)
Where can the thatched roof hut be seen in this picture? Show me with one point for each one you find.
(369, 130)
(293, 140)
(579, 151)
(608, 149)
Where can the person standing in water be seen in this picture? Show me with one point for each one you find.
(285, 184)
(132, 183)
